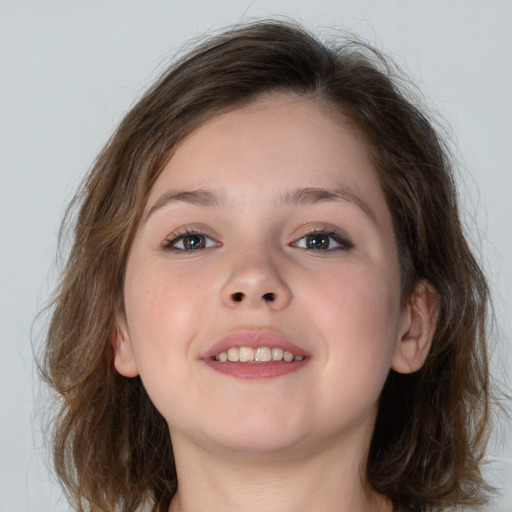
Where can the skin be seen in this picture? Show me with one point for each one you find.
(298, 441)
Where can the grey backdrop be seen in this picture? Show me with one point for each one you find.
(70, 70)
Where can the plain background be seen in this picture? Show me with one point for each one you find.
(69, 70)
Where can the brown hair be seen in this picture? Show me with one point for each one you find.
(112, 449)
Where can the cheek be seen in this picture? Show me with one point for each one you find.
(360, 315)
(162, 308)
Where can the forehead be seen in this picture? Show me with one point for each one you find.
(276, 143)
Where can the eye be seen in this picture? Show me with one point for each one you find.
(190, 241)
(324, 241)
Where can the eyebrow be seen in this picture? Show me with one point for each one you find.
(312, 195)
(200, 197)
(300, 196)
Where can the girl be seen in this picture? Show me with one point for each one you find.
(269, 301)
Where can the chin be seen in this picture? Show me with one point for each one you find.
(254, 434)
(261, 446)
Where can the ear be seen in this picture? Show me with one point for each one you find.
(124, 359)
(418, 325)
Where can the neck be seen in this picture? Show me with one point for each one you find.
(331, 479)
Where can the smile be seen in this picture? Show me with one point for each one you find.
(256, 355)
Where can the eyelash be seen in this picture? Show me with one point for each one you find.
(170, 243)
(343, 243)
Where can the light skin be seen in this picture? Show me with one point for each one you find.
(294, 240)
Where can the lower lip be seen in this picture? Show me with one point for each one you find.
(256, 370)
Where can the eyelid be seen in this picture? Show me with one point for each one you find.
(182, 232)
(343, 242)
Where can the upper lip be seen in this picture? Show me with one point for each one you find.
(253, 339)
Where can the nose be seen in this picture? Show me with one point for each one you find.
(255, 281)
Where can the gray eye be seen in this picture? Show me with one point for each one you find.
(318, 241)
(192, 242)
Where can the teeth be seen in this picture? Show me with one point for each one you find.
(246, 354)
(263, 354)
(234, 354)
(277, 354)
(258, 355)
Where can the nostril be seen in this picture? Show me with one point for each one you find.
(237, 297)
(269, 297)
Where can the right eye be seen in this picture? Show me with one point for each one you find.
(190, 241)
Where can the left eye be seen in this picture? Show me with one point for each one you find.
(323, 241)
(190, 242)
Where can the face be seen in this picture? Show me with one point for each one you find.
(262, 289)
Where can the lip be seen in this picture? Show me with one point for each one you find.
(255, 339)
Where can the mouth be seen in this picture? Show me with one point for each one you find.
(255, 355)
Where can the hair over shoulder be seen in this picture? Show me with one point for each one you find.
(111, 447)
